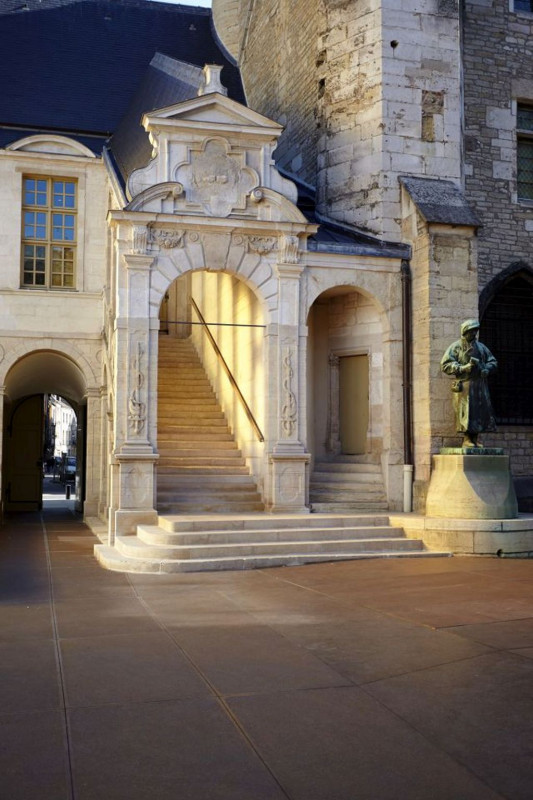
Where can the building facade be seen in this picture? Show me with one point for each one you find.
(312, 236)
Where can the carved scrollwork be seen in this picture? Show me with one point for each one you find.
(289, 250)
(167, 239)
(136, 407)
(261, 244)
(289, 410)
(140, 239)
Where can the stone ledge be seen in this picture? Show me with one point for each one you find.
(489, 537)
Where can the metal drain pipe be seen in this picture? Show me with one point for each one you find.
(407, 388)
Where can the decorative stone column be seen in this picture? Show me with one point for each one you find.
(288, 459)
(135, 398)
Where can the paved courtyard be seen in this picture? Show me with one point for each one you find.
(366, 680)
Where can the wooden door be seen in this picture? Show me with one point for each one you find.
(353, 403)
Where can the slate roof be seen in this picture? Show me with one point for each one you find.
(439, 201)
(165, 82)
(74, 66)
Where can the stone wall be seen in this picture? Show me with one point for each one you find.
(279, 71)
(367, 91)
(498, 72)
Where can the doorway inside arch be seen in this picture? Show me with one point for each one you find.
(345, 402)
(211, 396)
(43, 442)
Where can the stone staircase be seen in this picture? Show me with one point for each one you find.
(209, 507)
(202, 542)
(200, 467)
(349, 484)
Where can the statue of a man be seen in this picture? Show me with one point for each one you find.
(470, 363)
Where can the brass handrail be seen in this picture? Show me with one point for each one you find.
(229, 373)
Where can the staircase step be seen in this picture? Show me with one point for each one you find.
(132, 546)
(157, 535)
(348, 508)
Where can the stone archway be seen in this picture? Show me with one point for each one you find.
(211, 395)
(27, 381)
(345, 389)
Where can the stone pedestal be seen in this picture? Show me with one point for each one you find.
(471, 483)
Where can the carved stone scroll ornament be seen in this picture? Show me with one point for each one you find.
(289, 409)
(261, 244)
(289, 250)
(140, 239)
(136, 408)
(167, 239)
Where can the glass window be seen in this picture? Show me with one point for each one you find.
(523, 5)
(49, 232)
(524, 152)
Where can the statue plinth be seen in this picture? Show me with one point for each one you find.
(471, 483)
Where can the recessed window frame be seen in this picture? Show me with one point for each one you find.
(50, 205)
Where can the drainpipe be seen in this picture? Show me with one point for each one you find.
(407, 396)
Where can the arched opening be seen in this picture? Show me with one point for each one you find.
(43, 431)
(507, 330)
(345, 400)
(211, 395)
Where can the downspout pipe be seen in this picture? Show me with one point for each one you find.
(407, 335)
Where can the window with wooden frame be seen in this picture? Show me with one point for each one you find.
(49, 222)
(524, 152)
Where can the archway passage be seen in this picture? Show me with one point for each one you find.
(29, 430)
(345, 406)
(211, 383)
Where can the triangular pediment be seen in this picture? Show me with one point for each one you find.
(212, 110)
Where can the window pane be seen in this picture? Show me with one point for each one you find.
(39, 280)
(525, 118)
(525, 169)
(523, 5)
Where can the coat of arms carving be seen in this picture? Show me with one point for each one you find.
(217, 179)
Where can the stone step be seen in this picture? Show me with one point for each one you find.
(197, 434)
(352, 507)
(156, 535)
(181, 457)
(132, 546)
(198, 472)
(342, 494)
(345, 479)
(214, 480)
(346, 467)
(264, 521)
(209, 504)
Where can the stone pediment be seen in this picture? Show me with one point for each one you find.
(213, 110)
(218, 151)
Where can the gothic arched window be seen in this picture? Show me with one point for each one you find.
(507, 330)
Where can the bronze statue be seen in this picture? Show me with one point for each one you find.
(470, 363)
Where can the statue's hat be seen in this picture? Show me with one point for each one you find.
(469, 325)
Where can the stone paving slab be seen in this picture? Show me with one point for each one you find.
(400, 679)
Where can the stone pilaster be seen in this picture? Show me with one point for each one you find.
(135, 397)
(288, 459)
